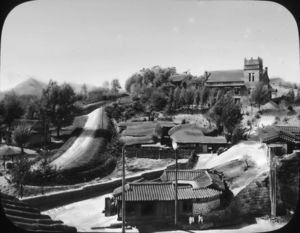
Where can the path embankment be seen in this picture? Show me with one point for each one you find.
(55, 199)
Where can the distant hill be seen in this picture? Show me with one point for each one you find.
(35, 87)
(30, 86)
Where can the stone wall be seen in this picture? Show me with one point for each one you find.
(205, 207)
(288, 179)
(254, 199)
(52, 200)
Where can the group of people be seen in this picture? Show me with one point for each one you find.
(199, 219)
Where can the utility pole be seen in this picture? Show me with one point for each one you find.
(123, 190)
(174, 144)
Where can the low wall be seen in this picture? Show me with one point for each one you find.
(52, 200)
(156, 153)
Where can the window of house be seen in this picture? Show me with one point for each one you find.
(252, 77)
(237, 100)
(148, 209)
(249, 77)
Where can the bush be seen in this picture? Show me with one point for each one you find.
(257, 115)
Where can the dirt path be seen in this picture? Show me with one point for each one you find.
(80, 151)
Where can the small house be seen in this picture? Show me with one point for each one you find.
(153, 202)
(191, 136)
(287, 136)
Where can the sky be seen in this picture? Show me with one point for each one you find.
(90, 41)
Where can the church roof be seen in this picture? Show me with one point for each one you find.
(225, 76)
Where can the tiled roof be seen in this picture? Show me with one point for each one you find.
(285, 133)
(186, 127)
(140, 129)
(203, 178)
(192, 133)
(164, 192)
(226, 76)
(169, 175)
(30, 219)
(292, 129)
(178, 77)
(190, 138)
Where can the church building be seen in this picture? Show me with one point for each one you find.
(242, 81)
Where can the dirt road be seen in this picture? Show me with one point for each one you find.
(83, 147)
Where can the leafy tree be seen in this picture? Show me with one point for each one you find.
(197, 97)
(176, 97)
(21, 135)
(11, 107)
(58, 104)
(297, 98)
(226, 114)
(182, 97)
(20, 172)
(261, 94)
(290, 96)
(158, 100)
(115, 86)
(204, 95)
(189, 95)
(238, 134)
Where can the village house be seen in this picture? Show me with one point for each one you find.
(241, 81)
(191, 136)
(286, 136)
(153, 202)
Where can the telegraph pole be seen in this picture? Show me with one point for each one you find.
(174, 145)
(123, 190)
(176, 190)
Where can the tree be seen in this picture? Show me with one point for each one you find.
(58, 104)
(290, 96)
(21, 135)
(12, 108)
(182, 97)
(84, 91)
(105, 84)
(297, 98)
(226, 114)
(158, 100)
(261, 94)
(115, 86)
(19, 173)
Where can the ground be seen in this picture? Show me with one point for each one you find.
(232, 163)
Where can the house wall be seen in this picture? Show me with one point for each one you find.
(163, 212)
(205, 207)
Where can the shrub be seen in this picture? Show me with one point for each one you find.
(257, 115)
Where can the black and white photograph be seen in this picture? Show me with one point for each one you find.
(149, 116)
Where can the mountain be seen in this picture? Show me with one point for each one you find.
(30, 86)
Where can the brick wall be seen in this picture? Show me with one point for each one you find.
(205, 207)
